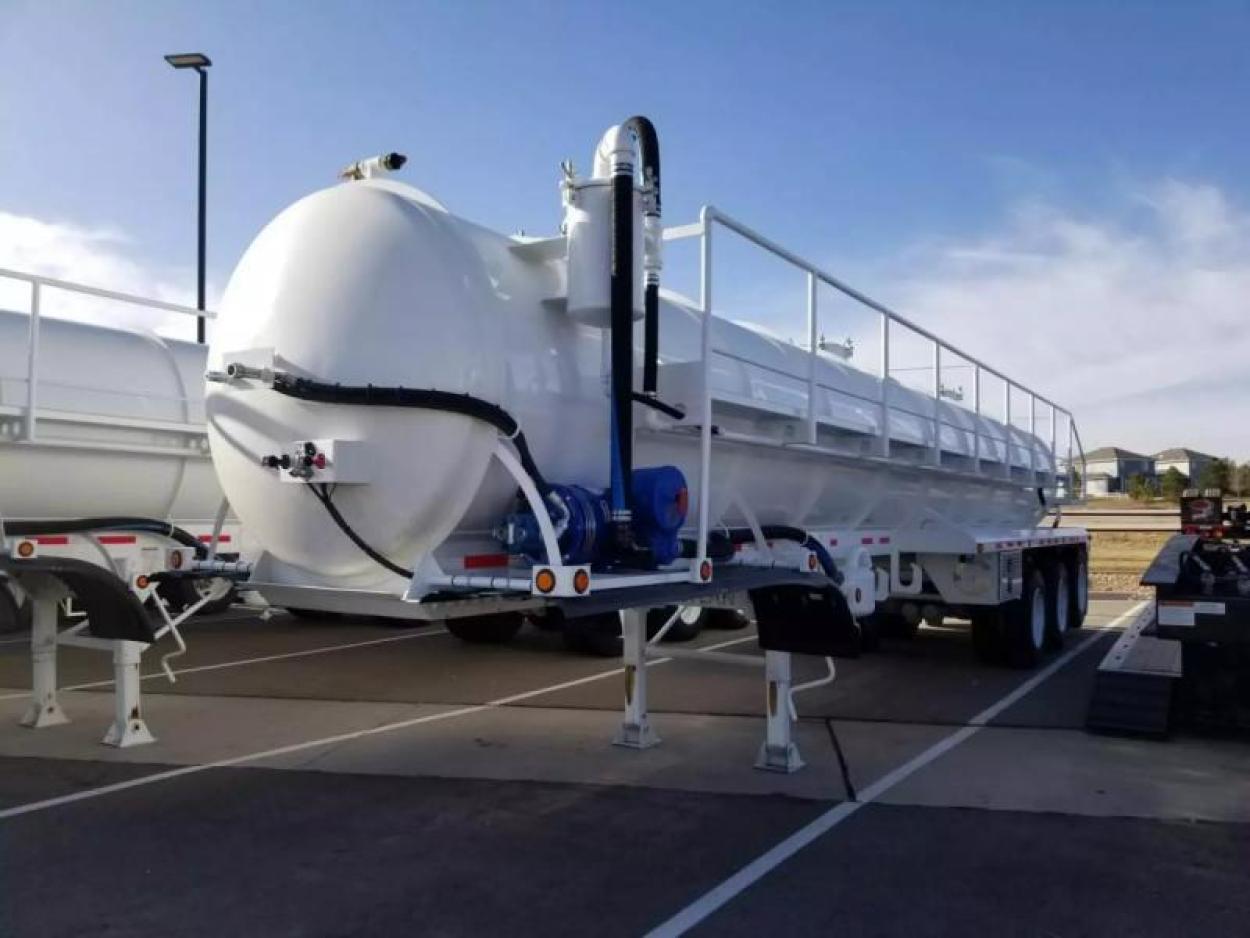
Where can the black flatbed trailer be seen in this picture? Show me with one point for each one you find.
(1189, 660)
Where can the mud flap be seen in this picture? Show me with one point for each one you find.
(806, 620)
(113, 611)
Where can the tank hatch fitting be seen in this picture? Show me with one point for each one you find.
(373, 167)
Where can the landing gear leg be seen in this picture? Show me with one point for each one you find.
(128, 728)
(635, 732)
(45, 709)
(778, 753)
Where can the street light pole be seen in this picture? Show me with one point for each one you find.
(199, 292)
(201, 63)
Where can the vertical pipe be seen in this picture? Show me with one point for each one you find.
(811, 360)
(32, 360)
(976, 407)
(705, 428)
(622, 347)
(199, 298)
(885, 385)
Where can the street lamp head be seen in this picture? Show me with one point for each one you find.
(195, 60)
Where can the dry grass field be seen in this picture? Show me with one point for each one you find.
(1117, 559)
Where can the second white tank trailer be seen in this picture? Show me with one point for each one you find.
(416, 416)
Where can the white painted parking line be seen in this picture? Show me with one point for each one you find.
(171, 774)
(761, 866)
(263, 659)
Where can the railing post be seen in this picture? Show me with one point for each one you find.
(1007, 423)
(885, 385)
(1032, 438)
(705, 430)
(937, 404)
(32, 361)
(811, 361)
(1054, 457)
(976, 409)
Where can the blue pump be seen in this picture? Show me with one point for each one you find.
(659, 502)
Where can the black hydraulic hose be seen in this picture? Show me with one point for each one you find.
(110, 523)
(447, 401)
(322, 494)
(656, 404)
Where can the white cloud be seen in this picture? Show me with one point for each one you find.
(102, 258)
(1141, 329)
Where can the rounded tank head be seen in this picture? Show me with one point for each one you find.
(363, 283)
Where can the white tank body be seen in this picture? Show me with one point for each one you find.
(120, 428)
(374, 282)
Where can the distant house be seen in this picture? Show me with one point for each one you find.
(1108, 469)
(1188, 462)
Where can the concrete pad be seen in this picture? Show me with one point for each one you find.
(193, 730)
(1073, 772)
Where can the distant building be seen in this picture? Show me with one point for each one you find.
(1188, 462)
(1108, 469)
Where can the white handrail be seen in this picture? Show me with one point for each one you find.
(709, 216)
(38, 284)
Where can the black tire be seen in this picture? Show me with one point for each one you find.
(1024, 620)
(891, 625)
(597, 635)
(987, 634)
(1058, 604)
(728, 620)
(182, 593)
(688, 625)
(1078, 580)
(14, 616)
(486, 630)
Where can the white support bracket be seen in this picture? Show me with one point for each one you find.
(778, 752)
(636, 731)
(128, 727)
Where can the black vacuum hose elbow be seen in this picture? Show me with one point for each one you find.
(447, 401)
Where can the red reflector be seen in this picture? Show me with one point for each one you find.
(479, 561)
(833, 542)
(117, 539)
(51, 539)
(208, 539)
(883, 540)
(865, 540)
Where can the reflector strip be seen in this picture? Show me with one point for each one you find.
(480, 561)
(117, 539)
(51, 539)
(208, 539)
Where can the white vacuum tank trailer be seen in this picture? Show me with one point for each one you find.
(416, 416)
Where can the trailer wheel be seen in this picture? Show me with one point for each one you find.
(890, 625)
(726, 619)
(597, 635)
(486, 630)
(1058, 604)
(987, 634)
(1078, 592)
(689, 622)
(1025, 623)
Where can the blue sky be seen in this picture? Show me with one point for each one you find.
(934, 152)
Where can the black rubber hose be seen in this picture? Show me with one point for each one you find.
(372, 395)
(649, 148)
(322, 495)
(111, 523)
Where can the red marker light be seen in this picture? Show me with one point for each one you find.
(320, 460)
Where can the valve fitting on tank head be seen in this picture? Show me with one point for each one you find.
(374, 166)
